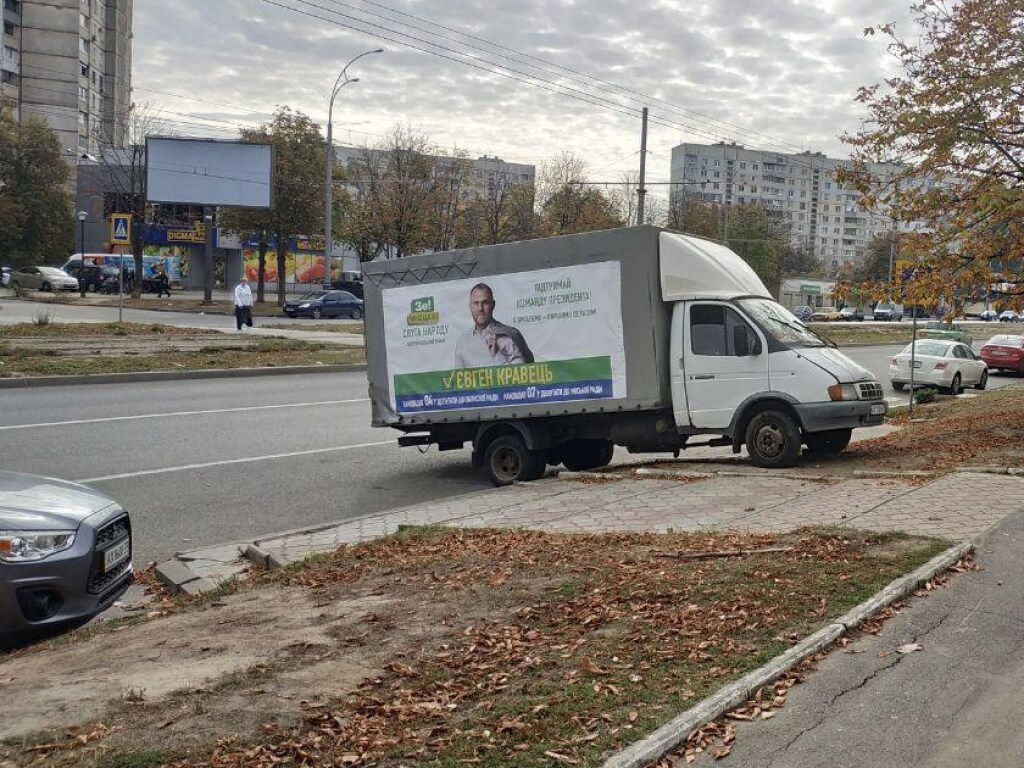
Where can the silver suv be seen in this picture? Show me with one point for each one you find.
(65, 555)
(886, 310)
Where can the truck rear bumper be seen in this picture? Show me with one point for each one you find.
(820, 417)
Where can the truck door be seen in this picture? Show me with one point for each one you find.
(724, 362)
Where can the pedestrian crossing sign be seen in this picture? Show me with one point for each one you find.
(120, 229)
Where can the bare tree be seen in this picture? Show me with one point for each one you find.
(122, 180)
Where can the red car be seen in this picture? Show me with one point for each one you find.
(1004, 352)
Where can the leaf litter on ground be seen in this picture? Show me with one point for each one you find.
(542, 648)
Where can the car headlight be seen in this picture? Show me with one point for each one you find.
(304, 306)
(843, 392)
(27, 546)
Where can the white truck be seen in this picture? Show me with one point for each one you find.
(554, 351)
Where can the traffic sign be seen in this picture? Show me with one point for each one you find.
(120, 229)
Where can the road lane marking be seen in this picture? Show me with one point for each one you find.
(226, 462)
(72, 422)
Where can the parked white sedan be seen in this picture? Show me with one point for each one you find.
(947, 365)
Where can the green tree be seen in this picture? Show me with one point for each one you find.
(950, 126)
(567, 204)
(875, 267)
(500, 215)
(36, 222)
(300, 153)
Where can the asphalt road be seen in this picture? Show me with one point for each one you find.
(222, 460)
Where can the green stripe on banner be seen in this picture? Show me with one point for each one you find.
(499, 377)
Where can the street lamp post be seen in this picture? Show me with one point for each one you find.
(341, 82)
(82, 216)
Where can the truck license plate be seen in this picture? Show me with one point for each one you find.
(878, 409)
(116, 555)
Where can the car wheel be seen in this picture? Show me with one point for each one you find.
(356, 313)
(317, 313)
(956, 387)
(983, 381)
(829, 442)
(508, 459)
(45, 287)
(91, 287)
(899, 386)
(580, 455)
(773, 439)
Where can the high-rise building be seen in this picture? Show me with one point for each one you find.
(799, 192)
(69, 63)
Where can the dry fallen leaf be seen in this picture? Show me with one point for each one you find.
(910, 648)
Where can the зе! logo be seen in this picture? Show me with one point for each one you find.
(422, 312)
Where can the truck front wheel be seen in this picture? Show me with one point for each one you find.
(580, 455)
(773, 440)
(508, 459)
(831, 441)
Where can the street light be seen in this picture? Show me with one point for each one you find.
(82, 216)
(341, 82)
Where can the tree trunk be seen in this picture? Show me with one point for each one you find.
(261, 270)
(282, 253)
(137, 253)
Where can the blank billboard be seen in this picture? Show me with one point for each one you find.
(208, 172)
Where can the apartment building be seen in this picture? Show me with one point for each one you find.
(486, 176)
(799, 192)
(69, 63)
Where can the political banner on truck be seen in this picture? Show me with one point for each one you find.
(538, 337)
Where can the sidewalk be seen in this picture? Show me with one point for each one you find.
(746, 500)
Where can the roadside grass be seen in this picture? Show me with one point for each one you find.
(539, 648)
(345, 326)
(267, 353)
(269, 308)
(99, 330)
(852, 334)
(941, 436)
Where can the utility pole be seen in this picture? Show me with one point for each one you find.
(641, 191)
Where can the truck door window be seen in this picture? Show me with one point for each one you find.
(711, 330)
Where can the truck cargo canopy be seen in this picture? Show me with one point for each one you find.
(694, 268)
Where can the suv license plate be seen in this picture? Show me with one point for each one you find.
(878, 409)
(116, 555)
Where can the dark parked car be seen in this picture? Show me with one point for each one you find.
(65, 555)
(325, 304)
(93, 276)
(803, 313)
(352, 286)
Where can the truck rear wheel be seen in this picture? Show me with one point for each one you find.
(831, 441)
(580, 455)
(773, 439)
(509, 460)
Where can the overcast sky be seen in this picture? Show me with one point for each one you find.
(778, 74)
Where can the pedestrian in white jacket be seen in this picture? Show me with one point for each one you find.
(243, 303)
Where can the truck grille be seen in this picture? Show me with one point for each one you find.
(109, 535)
(870, 390)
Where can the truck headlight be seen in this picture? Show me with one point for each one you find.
(28, 546)
(843, 392)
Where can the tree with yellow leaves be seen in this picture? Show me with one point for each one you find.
(952, 123)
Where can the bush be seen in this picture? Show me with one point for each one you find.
(925, 395)
(42, 318)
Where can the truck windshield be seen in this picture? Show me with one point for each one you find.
(782, 324)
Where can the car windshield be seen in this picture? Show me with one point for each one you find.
(52, 271)
(929, 348)
(778, 321)
(313, 296)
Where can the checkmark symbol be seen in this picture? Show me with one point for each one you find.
(448, 380)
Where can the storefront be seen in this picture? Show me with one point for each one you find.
(804, 292)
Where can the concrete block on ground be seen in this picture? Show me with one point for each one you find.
(175, 574)
(198, 587)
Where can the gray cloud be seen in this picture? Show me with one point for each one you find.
(779, 75)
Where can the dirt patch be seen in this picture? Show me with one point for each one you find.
(440, 646)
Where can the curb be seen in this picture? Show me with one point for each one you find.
(656, 745)
(216, 373)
